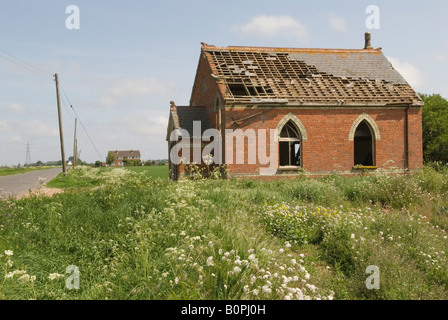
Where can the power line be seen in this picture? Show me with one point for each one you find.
(28, 64)
(25, 65)
(66, 105)
(41, 72)
(79, 119)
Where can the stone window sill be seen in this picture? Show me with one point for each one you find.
(365, 168)
(290, 168)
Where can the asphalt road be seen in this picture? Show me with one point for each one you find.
(20, 184)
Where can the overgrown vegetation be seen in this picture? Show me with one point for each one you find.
(137, 237)
(85, 177)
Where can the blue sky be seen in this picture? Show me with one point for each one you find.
(130, 58)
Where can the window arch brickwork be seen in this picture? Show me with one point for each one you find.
(370, 121)
(297, 122)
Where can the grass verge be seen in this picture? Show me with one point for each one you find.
(133, 236)
(14, 171)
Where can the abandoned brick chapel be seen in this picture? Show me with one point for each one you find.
(333, 110)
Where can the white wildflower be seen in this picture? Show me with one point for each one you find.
(54, 276)
(266, 289)
(9, 253)
(210, 261)
(27, 278)
(311, 287)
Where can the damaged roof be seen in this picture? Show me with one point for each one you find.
(308, 76)
(184, 118)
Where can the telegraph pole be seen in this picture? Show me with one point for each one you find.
(75, 147)
(61, 135)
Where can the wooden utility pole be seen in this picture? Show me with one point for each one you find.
(61, 135)
(75, 147)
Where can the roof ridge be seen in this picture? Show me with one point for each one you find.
(208, 47)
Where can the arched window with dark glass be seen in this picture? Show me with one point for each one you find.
(364, 145)
(290, 146)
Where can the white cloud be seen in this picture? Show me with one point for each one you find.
(440, 57)
(142, 125)
(16, 107)
(270, 26)
(4, 126)
(128, 88)
(139, 86)
(337, 22)
(36, 128)
(409, 72)
(108, 101)
(17, 139)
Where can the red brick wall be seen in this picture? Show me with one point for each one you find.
(415, 139)
(328, 147)
(201, 98)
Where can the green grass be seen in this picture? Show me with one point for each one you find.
(152, 171)
(13, 171)
(134, 236)
(80, 180)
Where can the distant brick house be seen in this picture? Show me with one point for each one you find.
(120, 156)
(333, 110)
